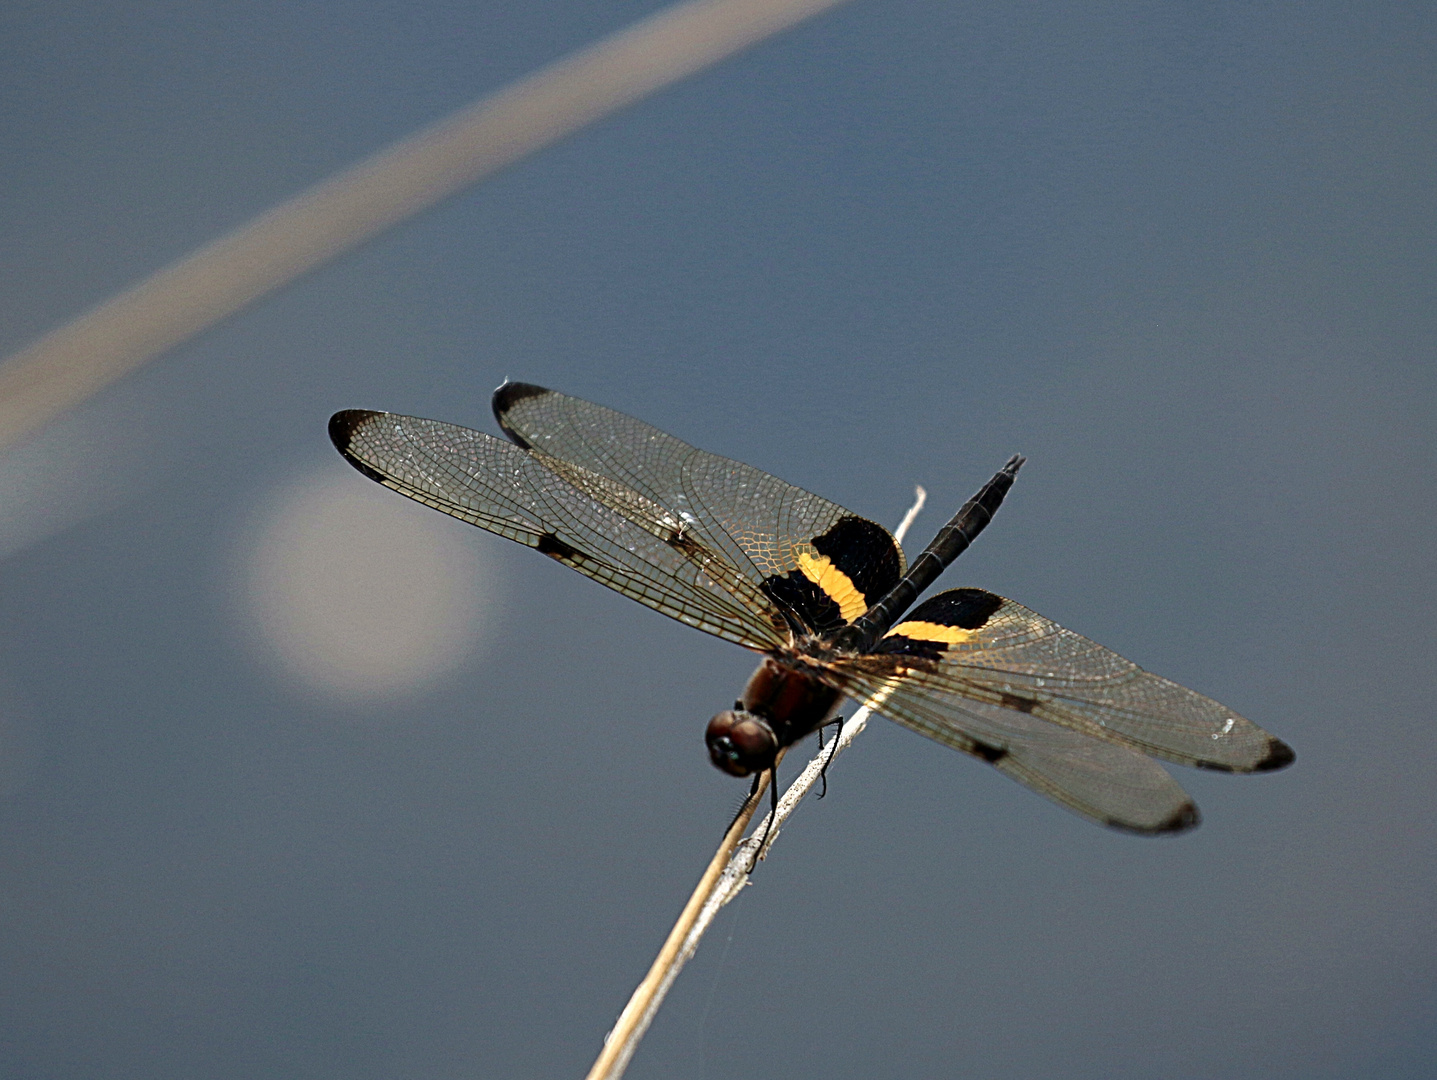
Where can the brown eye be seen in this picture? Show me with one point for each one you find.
(740, 743)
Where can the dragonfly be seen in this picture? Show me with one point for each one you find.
(824, 596)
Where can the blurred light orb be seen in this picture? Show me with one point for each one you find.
(359, 593)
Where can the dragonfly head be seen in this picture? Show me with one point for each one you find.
(741, 743)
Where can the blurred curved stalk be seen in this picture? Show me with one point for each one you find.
(187, 297)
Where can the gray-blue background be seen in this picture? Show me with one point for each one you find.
(1182, 256)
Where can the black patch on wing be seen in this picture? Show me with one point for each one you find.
(967, 609)
(907, 646)
(505, 398)
(865, 551)
(988, 753)
(862, 550)
(795, 594)
(552, 546)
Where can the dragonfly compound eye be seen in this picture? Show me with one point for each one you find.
(740, 743)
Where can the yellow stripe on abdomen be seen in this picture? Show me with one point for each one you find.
(836, 585)
(932, 631)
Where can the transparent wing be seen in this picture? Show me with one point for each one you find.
(613, 534)
(981, 647)
(1054, 710)
(1098, 778)
(823, 564)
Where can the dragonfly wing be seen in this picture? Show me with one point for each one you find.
(1100, 779)
(612, 534)
(1055, 711)
(975, 646)
(823, 564)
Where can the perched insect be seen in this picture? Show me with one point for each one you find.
(730, 550)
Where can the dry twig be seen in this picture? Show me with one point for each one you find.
(725, 878)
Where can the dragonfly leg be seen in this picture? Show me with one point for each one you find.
(832, 752)
(772, 815)
(752, 791)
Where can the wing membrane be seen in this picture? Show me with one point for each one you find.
(609, 532)
(1052, 709)
(824, 564)
(1100, 779)
(984, 648)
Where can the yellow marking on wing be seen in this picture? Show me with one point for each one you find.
(820, 570)
(932, 631)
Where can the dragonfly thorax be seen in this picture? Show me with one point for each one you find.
(780, 705)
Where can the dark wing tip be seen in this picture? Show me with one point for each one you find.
(512, 392)
(1279, 756)
(509, 395)
(1014, 464)
(343, 425)
(1184, 818)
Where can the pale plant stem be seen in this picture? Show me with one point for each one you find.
(190, 295)
(725, 878)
